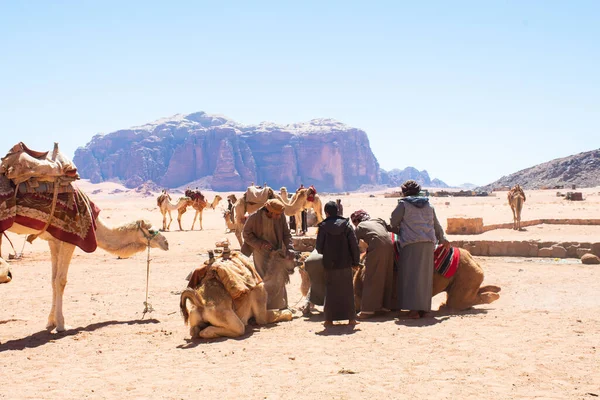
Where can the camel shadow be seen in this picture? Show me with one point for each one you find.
(191, 343)
(43, 337)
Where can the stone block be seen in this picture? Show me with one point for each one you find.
(545, 252)
(559, 252)
(595, 249)
(581, 251)
(590, 258)
(498, 248)
(522, 249)
(464, 226)
(572, 251)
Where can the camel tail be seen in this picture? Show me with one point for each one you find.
(191, 295)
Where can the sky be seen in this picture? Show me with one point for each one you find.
(468, 90)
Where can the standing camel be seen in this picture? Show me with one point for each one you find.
(516, 198)
(302, 205)
(123, 241)
(164, 203)
(199, 205)
(241, 207)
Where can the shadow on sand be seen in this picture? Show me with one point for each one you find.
(250, 329)
(43, 337)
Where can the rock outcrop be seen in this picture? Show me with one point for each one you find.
(582, 170)
(397, 177)
(184, 148)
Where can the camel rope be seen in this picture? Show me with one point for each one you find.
(147, 306)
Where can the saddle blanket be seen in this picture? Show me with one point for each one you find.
(446, 261)
(256, 195)
(73, 221)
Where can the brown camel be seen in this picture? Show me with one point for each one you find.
(123, 241)
(516, 198)
(303, 205)
(199, 205)
(463, 290)
(164, 204)
(212, 312)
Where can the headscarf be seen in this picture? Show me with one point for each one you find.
(275, 206)
(359, 216)
(410, 188)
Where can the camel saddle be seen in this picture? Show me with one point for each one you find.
(236, 273)
(255, 194)
(22, 164)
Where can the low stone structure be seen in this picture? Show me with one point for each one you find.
(475, 226)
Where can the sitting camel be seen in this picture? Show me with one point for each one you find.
(304, 204)
(212, 311)
(463, 290)
(516, 198)
(5, 275)
(164, 204)
(199, 204)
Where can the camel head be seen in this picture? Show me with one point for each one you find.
(216, 201)
(232, 197)
(5, 275)
(149, 234)
(278, 262)
(283, 191)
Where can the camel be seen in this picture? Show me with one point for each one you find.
(241, 207)
(516, 198)
(5, 275)
(463, 290)
(199, 205)
(164, 203)
(212, 312)
(123, 241)
(303, 205)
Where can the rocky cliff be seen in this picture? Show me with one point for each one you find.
(397, 177)
(581, 169)
(185, 148)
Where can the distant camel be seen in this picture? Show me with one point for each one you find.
(516, 198)
(164, 204)
(199, 205)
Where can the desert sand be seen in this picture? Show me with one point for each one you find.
(541, 339)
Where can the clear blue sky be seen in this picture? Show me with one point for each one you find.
(469, 90)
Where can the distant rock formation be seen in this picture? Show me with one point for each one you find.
(175, 151)
(582, 170)
(397, 177)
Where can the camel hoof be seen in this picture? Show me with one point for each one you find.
(50, 326)
(208, 333)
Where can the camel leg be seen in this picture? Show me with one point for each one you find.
(180, 213)
(194, 221)
(164, 215)
(54, 251)
(65, 254)
(258, 300)
(200, 219)
(489, 288)
(238, 233)
(223, 323)
(170, 220)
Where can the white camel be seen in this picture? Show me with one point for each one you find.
(123, 241)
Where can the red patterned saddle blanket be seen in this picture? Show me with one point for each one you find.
(445, 260)
(74, 218)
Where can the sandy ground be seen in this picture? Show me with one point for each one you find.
(540, 340)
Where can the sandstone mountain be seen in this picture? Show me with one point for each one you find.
(397, 177)
(581, 169)
(189, 148)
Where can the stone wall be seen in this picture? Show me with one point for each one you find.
(474, 226)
